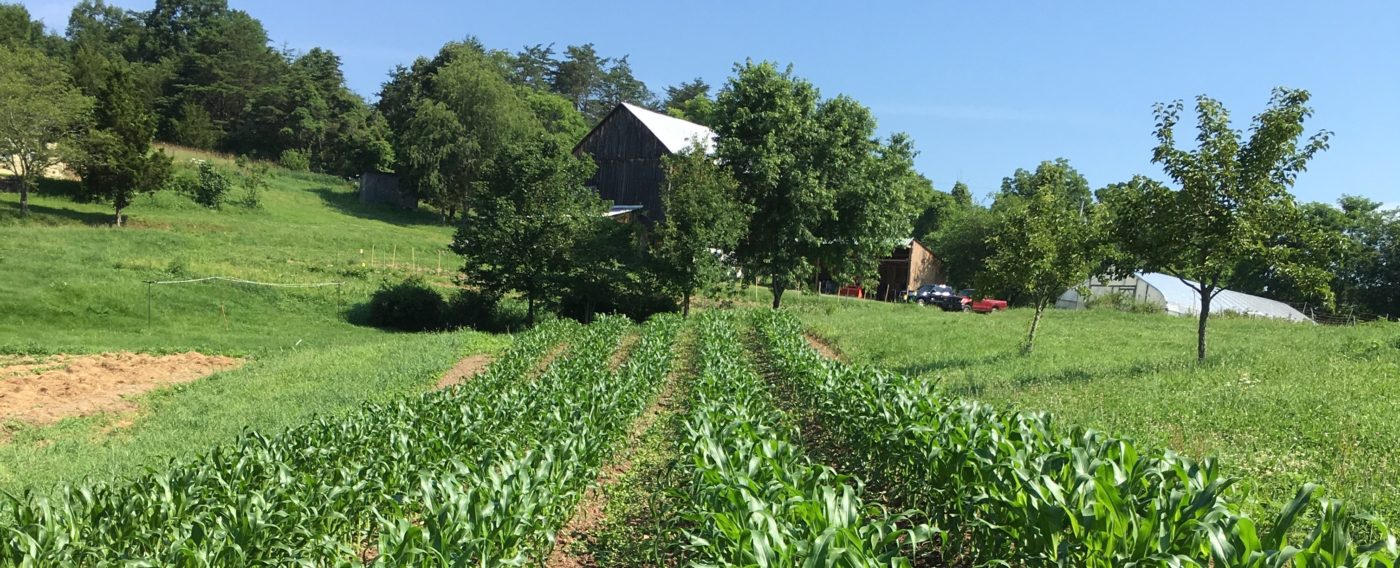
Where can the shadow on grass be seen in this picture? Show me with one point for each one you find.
(43, 214)
(349, 204)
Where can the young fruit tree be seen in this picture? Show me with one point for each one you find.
(1233, 203)
(1045, 238)
(523, 219)
(40, 109)
(704, 220)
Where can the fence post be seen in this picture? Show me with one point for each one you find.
(149, 286)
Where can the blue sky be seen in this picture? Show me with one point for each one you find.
(983, 87)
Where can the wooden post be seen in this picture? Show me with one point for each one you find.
(149, 285)
(394, 257)
(371, 256)
(439, 261)
(413, 259)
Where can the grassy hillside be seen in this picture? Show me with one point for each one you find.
(73, 283)
(1281, 404)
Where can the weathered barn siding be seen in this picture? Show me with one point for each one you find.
(906, 269)
(629, 163)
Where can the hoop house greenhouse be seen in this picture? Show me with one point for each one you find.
(1177, 297)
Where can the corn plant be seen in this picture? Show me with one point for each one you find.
(754, 498)
(318, 491)
(1017, 488)
(505, 509)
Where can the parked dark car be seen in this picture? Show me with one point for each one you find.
(940, 295)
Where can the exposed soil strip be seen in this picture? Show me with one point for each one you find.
(822, 347)
(40, 392)
(624, 350)
(543, 364)
(465, 370)
(570, 547)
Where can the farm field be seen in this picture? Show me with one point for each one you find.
(1280, 404)
(767, 453)
(74, 285)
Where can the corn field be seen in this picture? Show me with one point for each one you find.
(782, 459)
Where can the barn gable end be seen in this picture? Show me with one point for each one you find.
(627, 145)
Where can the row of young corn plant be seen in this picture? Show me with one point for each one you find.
(1016, 488)
(313, 492)
(504, 509)
(754, 499)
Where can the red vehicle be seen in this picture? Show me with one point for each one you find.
(851, 290)
(981, 305)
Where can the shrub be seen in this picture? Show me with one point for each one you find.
(1123, 302)
(485, 312)
(212, 186)
(296, 160)
(411, 305)
(252, 180)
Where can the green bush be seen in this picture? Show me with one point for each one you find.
(296, 160)
(485, 312)
(1122, 302)
(411, 305)
(212, 186)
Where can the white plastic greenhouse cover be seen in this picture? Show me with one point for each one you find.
(1182, 300)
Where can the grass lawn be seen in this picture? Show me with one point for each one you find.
(1279, 403)
(71, 283)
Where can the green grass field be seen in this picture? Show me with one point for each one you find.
(71, 283)
(1279, 403)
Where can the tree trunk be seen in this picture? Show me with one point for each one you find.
(778, 289)
(118, 219)
(23, 197)
(685, 305)
(530, 312)
(1207, 294)
(1035, 325)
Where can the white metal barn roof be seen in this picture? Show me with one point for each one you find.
(1182, 300)
(1178, 298)
(674, 133)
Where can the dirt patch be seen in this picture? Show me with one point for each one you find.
(571, 540)
(464, 370)
(822, 347)
(624, 349)
(47, 390)
(548, 359)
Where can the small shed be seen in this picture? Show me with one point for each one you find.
(378, 188)
(628, 145)
(1177, 297)
(908, 267)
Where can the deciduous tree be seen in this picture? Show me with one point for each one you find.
(524, 218)
(1232, 203)
(40, 110)
(1045, 239)
(704, 221)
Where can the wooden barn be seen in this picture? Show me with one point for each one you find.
(628, 145)
(908, 267)
(378, 188)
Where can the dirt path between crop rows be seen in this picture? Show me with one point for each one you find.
(465, 369)
(39, 391)
(822, 347)
(572, 539)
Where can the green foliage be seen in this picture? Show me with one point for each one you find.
(252, 181)
(1232, 204)
(1016, 488)
(691, 101)
(1123, 302)
(963, 242)
(212, 185)
(753, 498)
(704, 221)
(193, 127)
(116, 162)
(342, 480)
(39, 110)
(410, 305)
(295, 160)
(1045, 238)
(523, 222)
